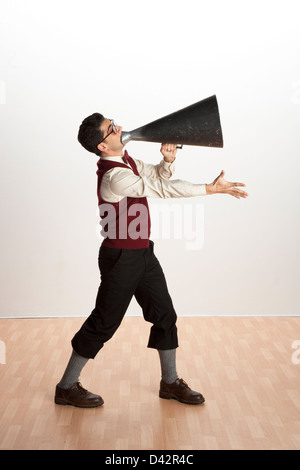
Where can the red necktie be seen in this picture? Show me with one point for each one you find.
(125, 157)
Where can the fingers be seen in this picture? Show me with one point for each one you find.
(232, 187)
(168, 147)
(238, 193)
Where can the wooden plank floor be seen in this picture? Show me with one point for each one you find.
(243, 367)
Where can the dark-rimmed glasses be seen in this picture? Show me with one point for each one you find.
(113, 127)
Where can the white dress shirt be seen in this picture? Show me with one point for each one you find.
(153, 181)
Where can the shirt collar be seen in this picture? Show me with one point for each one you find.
(118, 159)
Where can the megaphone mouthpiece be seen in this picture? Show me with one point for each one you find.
(126, 137)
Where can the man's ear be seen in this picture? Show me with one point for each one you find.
(102, 147)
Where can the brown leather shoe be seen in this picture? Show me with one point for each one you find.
(179, 390)
(77, 396)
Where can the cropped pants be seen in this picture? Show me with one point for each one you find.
(126, 273)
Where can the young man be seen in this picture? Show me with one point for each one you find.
(127, 262)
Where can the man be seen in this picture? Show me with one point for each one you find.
(127, 262)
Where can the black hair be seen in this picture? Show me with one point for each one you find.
(89, 134)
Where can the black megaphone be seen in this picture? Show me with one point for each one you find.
(198, 124)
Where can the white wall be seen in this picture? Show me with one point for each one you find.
(137, 61)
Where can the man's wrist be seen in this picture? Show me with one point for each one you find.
(210, 189)
(207, 187)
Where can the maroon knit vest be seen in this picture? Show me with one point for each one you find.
(125, 224)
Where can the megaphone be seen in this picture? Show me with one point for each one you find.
(198, 124)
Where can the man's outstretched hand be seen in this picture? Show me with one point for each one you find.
(220, 185)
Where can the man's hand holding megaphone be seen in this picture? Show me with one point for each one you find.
(169, 152)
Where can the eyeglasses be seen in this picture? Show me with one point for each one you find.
(113, 127)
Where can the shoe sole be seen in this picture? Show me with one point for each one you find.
(172, 397)
(64, 403)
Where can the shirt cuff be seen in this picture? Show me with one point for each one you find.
(198, 189)
(168, 166)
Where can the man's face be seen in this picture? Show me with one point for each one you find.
(112, 143)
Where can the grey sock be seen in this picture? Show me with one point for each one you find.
(73, 370)
(168, 365)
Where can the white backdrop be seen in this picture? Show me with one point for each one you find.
(135, 62)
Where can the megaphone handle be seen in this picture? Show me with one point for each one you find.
(179, 146)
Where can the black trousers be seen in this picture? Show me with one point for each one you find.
(126, 273)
